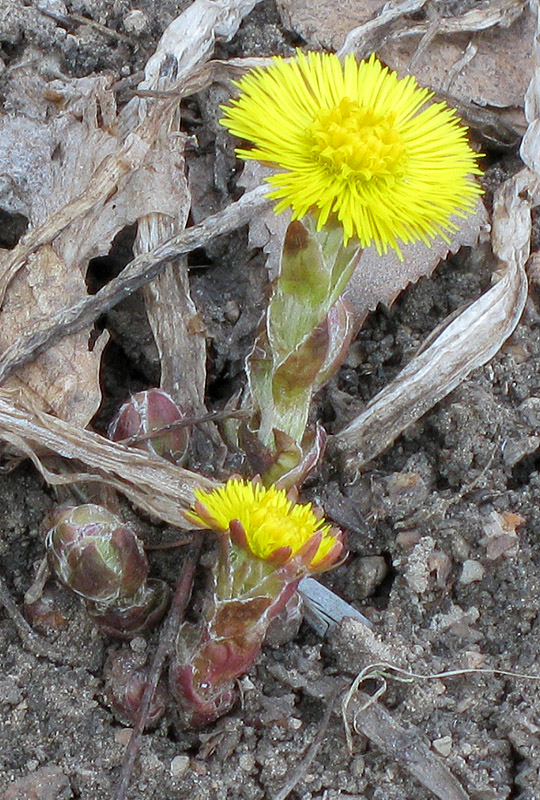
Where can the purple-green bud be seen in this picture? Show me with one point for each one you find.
(44, 613)
(134, 615)
(125, 681)
(95, 555)
(148, 411)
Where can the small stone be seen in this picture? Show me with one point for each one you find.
(443, 746)
(54, 7)
(474, 659)
(358, 766)
(45, 783)
(295, 723)
(530, 411)
(179, 765)
(246, 762)
(472, 571)
(136, 22)
(231, 311)
(365, 575)
(123, 736)
(138, 644)
(516, 449)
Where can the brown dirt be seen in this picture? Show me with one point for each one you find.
(450, 578)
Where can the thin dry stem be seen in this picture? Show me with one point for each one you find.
(140, 271)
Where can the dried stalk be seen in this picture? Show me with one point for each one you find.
(389, 24)
(140, 271)
(406, 746)
(184, 47)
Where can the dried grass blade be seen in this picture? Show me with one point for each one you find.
(153, 484)
(468, 342)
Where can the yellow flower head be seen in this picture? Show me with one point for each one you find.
(266, 522)
(355, 141)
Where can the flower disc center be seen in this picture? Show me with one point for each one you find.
(357, 143)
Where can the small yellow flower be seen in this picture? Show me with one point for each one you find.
(356, 142)
(270, 520)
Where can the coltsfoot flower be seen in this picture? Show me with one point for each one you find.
(268, 523)
(267, 544)
(356, 143)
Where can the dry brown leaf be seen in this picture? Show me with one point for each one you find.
(65, 379)
(266, 230)
(376, 279)
(324, 24)
(497, 74)
(379, 279)
(79, 186)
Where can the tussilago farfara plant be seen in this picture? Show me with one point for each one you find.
(268, 543)
(362, 159)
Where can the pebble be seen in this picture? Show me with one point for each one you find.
(138, 644)
(358, 766)
(123, 736)
(472, 571)
(246, 762)
(136, 21)
(179, 765)
(443, 746)
(365, 575)
(54, 7)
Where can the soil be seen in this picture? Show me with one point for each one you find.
(441, 531)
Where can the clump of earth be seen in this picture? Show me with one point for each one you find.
(441, 528)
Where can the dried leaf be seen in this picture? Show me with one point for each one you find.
(376, 279)
(433, 49)
(379, 279)
(65, 380)
(266, 230)
(323, 24)
(500, 68)
(78, 186)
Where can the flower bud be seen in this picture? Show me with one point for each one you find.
(44, 613)
(95, 555)
(125, 681)
(149, 411)
(134, 615)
